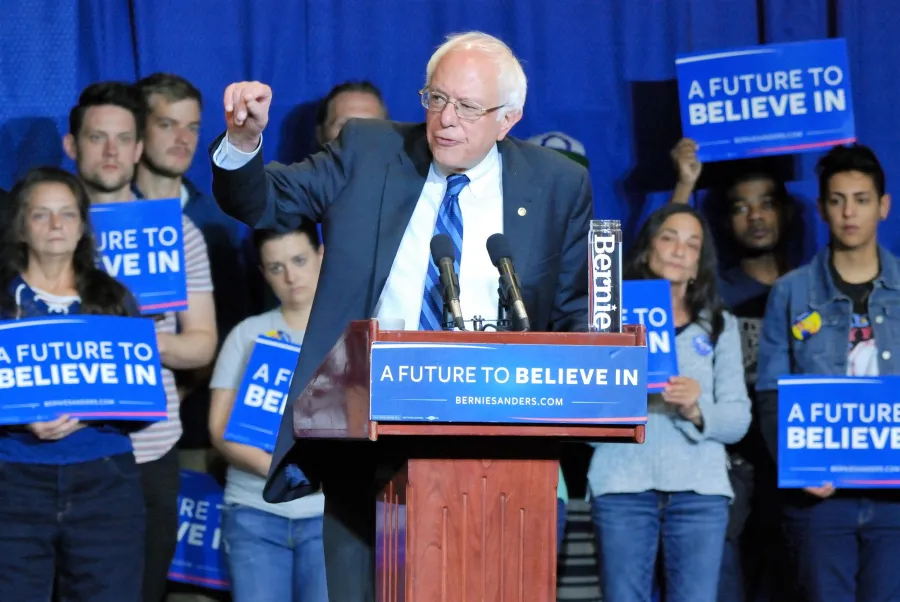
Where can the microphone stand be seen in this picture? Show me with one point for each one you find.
(503, 321)
(447, 322)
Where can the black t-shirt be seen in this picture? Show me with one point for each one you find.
(862, 352)
(746, 299)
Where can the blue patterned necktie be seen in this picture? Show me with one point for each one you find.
(449, 222)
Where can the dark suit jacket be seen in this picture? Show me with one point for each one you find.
(363, 189)
(5, 210)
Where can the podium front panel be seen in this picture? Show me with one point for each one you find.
(503, 383)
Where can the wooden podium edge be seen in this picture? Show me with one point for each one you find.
(613, 433)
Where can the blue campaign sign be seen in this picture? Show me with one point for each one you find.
(498, 383)
(766, 100)
(199, 558)
(86, 366)
(262, 396)
(838, 429)
(649, 302)
(141, 244)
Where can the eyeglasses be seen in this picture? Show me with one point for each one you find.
(465, 109)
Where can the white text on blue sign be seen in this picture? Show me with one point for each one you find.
(502, 375)
(76, 363)
(816, 428)
(767, 95)
(262, 396)
(120, 251)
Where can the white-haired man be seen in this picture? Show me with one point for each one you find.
(381, 191)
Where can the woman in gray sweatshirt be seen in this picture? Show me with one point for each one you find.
(672, 492)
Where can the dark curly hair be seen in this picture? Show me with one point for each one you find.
(100, 293)
(702, 297)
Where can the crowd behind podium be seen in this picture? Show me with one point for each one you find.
(693, 514)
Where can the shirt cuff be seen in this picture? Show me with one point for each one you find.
(689, 428)
(229, 157)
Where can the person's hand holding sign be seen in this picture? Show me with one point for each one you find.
(685, 157)
(247, 113)
(163, 340)
(53, 430)
(684, 393)
(823, 492)
(689, 167)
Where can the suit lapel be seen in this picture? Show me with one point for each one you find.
(520, 205)
(402, 189)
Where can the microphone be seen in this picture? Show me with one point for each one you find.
(501, 257)
(443, 255)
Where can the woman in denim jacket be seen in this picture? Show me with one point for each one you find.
(839, 315)
(673, 491)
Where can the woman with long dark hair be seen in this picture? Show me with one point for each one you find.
(672, 493)
(71, 503)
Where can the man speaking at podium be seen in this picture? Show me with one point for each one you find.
(381, 191)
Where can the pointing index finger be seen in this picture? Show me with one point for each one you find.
(227, 99)
(240, 106)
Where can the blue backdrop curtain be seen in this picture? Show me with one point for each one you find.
(600, 70)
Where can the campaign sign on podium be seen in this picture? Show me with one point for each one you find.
(260, 401)
(141, 244)
(508, 383)
(839, 430)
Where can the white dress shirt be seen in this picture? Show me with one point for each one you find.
(481, 203)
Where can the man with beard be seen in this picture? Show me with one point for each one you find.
(105, 139)
(174, 108)
(756, 212)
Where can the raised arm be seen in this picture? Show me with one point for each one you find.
(273, 196)
(684, 155)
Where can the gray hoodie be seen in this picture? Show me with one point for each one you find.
(676, 456)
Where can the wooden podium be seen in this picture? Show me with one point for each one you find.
(471, 515)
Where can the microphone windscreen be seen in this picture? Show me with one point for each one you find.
(498, 248)
(441, 248)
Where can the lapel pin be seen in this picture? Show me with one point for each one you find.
(522, 211)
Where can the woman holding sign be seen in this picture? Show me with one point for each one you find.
(71, 503)
(673, 491)
(274, 551)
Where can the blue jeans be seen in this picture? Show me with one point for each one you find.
(845, 549)
(273, 559)
(731, 575)
(629, 529)
(82, 524)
